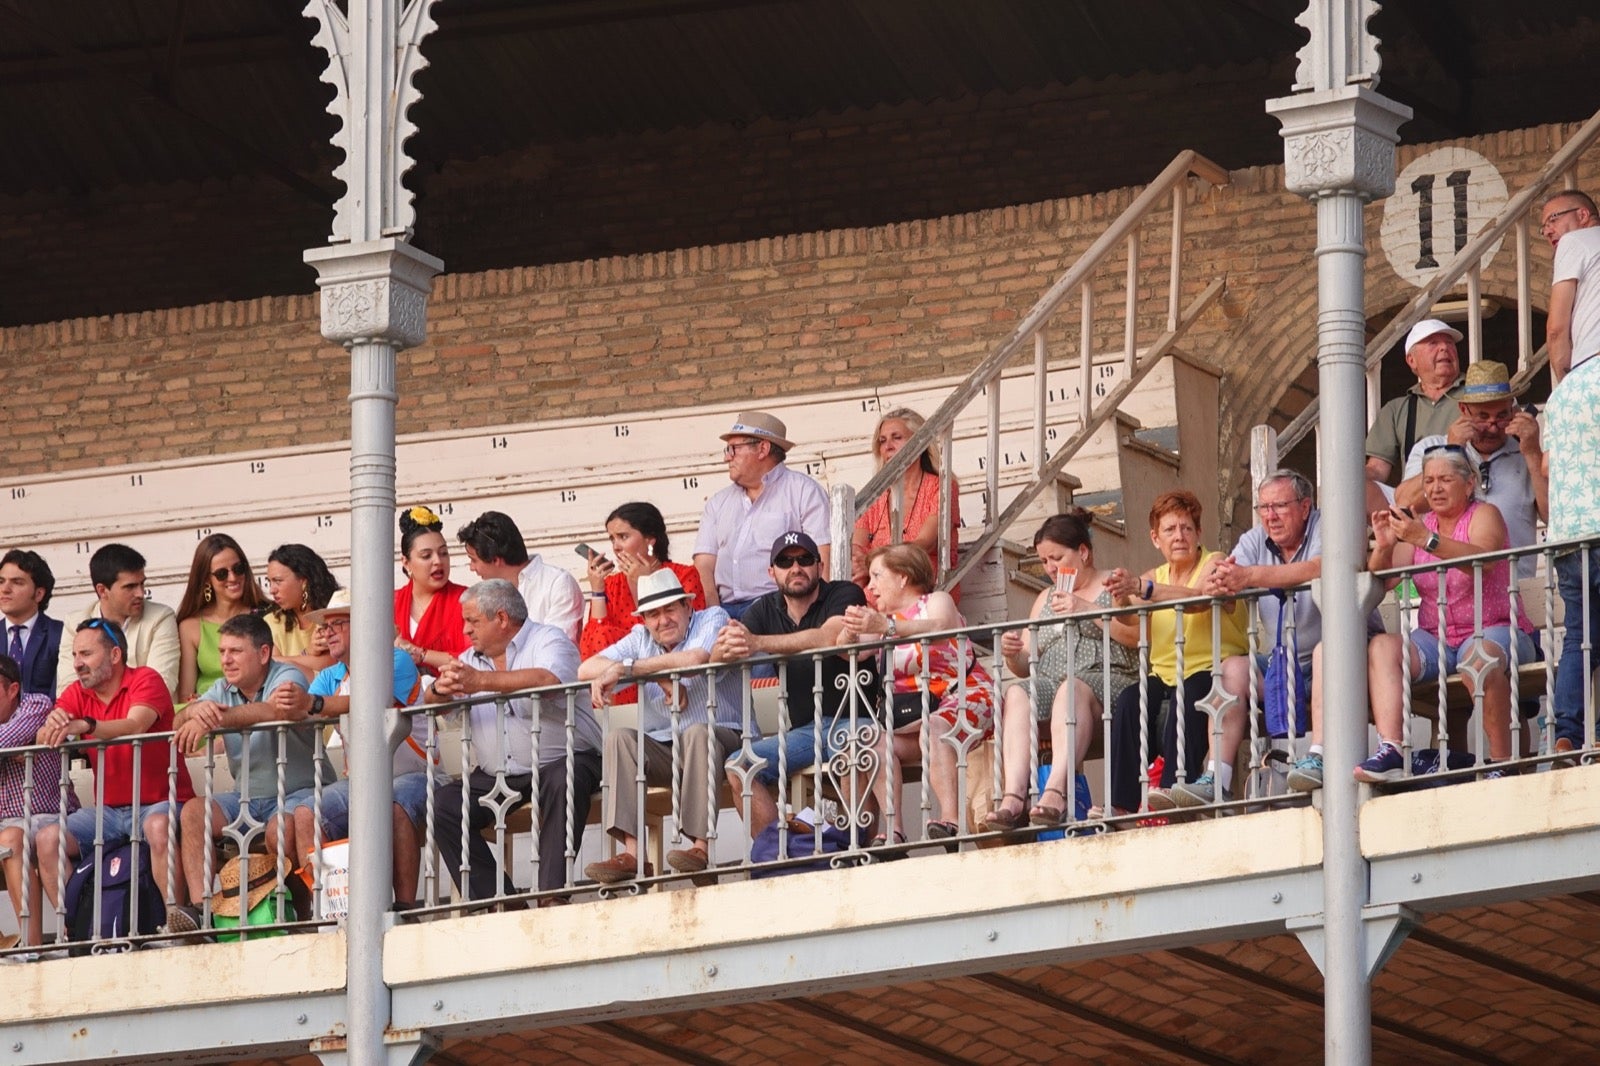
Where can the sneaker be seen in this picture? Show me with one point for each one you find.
(1201, 792)
(1385, 765)
(623, 867)
(1307, 774)
(1161, 800)
(183, 919)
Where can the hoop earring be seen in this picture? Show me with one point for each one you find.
(205, 597)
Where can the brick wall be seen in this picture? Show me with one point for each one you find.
(852, 307)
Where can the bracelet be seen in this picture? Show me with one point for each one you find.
(1149, 590)
(594, 595)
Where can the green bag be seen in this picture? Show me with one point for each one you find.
(263, 913)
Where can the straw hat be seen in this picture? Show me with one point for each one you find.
(261, 878)
(1486, 382)
(338, 603)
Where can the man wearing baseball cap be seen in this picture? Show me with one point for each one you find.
(1428, 407)
(804, 614)
(765, 500)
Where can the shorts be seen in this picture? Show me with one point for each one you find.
(261, 808)
(117, 822)
(1427, 646)
(33, 824)
(410, 792)
(800, 750)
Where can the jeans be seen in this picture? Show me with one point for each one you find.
(1572, 680)
(800, 749)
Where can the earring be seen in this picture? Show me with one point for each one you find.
(650, 549)
(205, 597)
(305, 600)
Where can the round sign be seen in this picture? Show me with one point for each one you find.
(1441, 201)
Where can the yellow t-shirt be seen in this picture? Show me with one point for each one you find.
(287, 642)
(1197, 653)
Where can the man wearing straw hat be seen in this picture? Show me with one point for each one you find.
(239, 699)
(1502, 441)
(741, 521)
(671, 636)
(1427, 408)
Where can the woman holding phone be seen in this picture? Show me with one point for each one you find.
(639, 542)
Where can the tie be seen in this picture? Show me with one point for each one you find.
(15, 651)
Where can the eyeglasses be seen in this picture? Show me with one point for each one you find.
(1501, 418)
(731, 448)
(784, 562)
(1483, 476)
(338, 621)
(104, 627)
(237, 570)
(1546, 223)
(1277, 508)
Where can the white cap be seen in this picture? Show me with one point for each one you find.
(1427, 328)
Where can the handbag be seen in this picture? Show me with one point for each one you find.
(1285, 697)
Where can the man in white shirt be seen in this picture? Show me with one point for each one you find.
(495, 549)
(511, 652)
(740, 522)
(117, 572)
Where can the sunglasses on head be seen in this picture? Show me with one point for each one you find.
(785, 562)
(104, 627)
(237, 570)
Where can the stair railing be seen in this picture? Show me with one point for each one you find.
(1093, 411)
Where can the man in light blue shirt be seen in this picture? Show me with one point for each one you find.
(672, 636)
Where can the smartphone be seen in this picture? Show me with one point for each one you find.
(585, 551)
(1532, 409)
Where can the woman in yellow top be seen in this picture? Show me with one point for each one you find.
(1175, 531)
(298, 582)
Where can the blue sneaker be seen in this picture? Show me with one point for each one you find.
(1386, 765)
(1201, 792)
(1307, 774)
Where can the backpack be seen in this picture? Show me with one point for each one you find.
(117, 870)
(764, 848)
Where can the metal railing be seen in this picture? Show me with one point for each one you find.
(1093, 411)
(489, 815)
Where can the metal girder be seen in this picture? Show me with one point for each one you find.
(1519, 868)
(831, 960)
(181, 1034)
(875, 1032)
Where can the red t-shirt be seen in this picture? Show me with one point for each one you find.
(141, 687)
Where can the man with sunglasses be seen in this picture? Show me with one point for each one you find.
(765, 500)
(1502, 441)
(1570, 222)
(117, 573)
(804, 614)
(110, 700)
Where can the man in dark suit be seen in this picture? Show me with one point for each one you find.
(31, 637)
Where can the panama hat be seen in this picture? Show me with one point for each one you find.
(762, 426)
(658, 590)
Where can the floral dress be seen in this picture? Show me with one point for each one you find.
(959, 688)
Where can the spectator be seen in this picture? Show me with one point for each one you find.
(670, 636)
(427, 608)
(511, 652)
(110, 700)
(298, 582)
(639, 541)
(1571, 223)
(806, 613)
(943, 677)
(919, 506)
(241, 699)
(1175, 531)
(495, 549)
(329, 696)
(33, 638)
(1502, 441)
(765, 500)
(1069, 671)
(1402, 540)
(117, 573)
(23, 812)
(1428, 408)
(220, 586)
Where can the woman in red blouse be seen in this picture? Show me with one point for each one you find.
(427, 609)
(919, 508)
(639, 541)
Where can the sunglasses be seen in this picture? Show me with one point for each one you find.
(784, 562)
(105, 627)
(237, 570)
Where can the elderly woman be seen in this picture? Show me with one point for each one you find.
(1175, 532)
(919, 506)
(1459, 525)
(959, 692)
(220, 586)
(427, 608)
(298, 582)
(1067, 673)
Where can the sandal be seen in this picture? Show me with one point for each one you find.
(1046, 815)
(941, 830)
(1004, 820)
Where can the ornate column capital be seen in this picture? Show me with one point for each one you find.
(1339, 140)
(374, 291)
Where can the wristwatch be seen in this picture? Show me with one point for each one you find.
(627, 668)
(88, 726)
(894, 630)
(316, 704)
(1431, 545)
